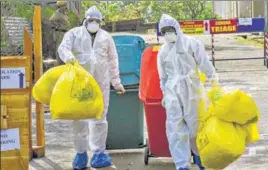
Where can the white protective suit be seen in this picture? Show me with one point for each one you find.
(177, 66)
(101, 60)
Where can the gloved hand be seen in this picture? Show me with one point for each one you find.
(71, 60)
(216, 95)
(214, 83)
(216, 92)
(119, 89)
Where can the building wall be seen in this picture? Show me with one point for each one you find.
(75, 6)
(232, 9)
(219, 8)
(258, 8)
(238, 9)
(225, 9)
(245, 9)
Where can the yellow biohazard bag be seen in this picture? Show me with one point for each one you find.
(252, 132)
(42, 89)
(204, 112)
(76, 95)
(236, 106)
(220, 143)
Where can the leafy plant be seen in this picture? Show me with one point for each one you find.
(151, 11)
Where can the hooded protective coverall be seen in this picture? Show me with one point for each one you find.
(101, 60)
(178, 65)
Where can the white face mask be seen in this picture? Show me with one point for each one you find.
(170, 37)
(93, 27)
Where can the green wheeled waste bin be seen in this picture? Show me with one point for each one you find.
(125, 121)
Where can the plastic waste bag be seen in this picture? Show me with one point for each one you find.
(76, 95)
(220, 143)
(235, 106)
(42, 89)
(252, 132)
(226, 127)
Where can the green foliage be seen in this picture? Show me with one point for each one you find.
(25, 9)
(112, 11)
(197, 10)
(73, 19)
(168, 7)
(22, 8)
(48, 11)
(151, 11)
(4, 42)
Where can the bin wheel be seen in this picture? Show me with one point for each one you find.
(146, 155)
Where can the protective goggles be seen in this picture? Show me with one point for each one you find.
(89, 20)
(167, 29)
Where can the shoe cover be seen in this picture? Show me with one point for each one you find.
(100, 160)
(197, 161)
(80, 161)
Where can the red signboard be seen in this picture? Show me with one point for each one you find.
(223, 26)
(192, 27)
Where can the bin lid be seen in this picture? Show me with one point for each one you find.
(149, 80)
(129, 49)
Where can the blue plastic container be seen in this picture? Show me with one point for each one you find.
(129, 49)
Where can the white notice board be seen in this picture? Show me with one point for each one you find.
(13, 78)
(245, 21)
(10, 139)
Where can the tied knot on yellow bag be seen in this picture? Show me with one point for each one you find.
(82, 88)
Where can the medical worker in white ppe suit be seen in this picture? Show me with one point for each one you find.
(95, 50)
(178, 62)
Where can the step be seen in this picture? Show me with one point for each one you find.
(15, 31)
(16, 21)
(14, 18)
(16, 35)
(14, 38)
